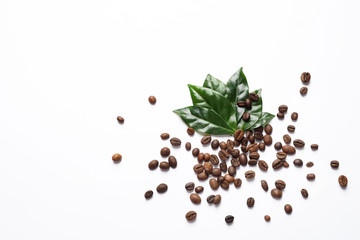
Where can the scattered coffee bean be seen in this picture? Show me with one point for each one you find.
(223, 146)
(223, 166)
(254, 155)
(229, 219)
(153, 164)
(239, 134)
(216, 172)
(267, 140)
(190, 131)
(285, 164)
(234, 152)
(291, 128)
(164, 136)
(254, 97)
(243, 159)
(248, 133)
(215, 144)
(213, 184)
(161, 188)
(294, 116)
(217, 199)
(175, 141)
(288, 149)
(244, 141)
(224, 185)
(252, 162)
(280, 115)
(281, 155)
(264, 185)
(207, 157)
(188, 146)
(314, 146)
(202, 176)
(343, 181)
(214, 159)
(283, 108)
(148, 194)
(191, 215)
(199, 189)
(246, 116)
(276, 193)
(278, 146)
(208, 167)
(254, 147)
(310, 176)
(262, 146)
(237, 182)
(152, 99)
(259, 136)
(190, 186)
(248, 103)
(200, 157)
(250, 202)
(249, 174)
(235, 162)
(210, 199)
(251, 139)
(172, 161)
(277, 163)
(198, 168)
(120, 119)
(334, 164)
(305, 77)
(280, 184)
(165, 151)
(298, 162)
(298, 143)
(196, 199)
(228, 178)
(220, 179)
(116, 157)
(206, 140)
(241, 103)
(195, 152)
(223, 155)
(288, 208)
(263, 165)
(267, 218)
(309, 164)
(232, 170)
(287, 138)
(164, 165)
(303, 91)
(304, 193)
(268, 129)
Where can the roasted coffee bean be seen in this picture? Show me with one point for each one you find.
(310, 176)
(237, 182)
(208, 167)
(241, 103)
(259, 136)
(285, 164)
(229, 219)
(252, 162)
(262, 146)
(334, 164)
(298, 143)
(254, 155)
(267, 140)
(309, 164)
(161, 188)
(250, 202)
(278, 146)
(294, 116)
(152, 99)
(304, 193)
(288, 208)
(232, 170)
(287, 138)
(246, 116)
(148, 194)
(200, 157)
(207, 157)
(230, 144)
(229, 178)
(215, 144)
(248, 103)
(268, 129)
(254, 97)
(223, 155)
(216, 172)
(251, 139)
(165, 151)
(220, 179)
(259, 129)
(172, 161)
(283, 108)
(153, 164)
(263, 165)
(249, 174)
(280, 184)
(253, 147)
(288, 149)
(164, 136)
(217, 199)
(235, 162)
(243, 159)
(190, 186)
(276, 193)
(223, 146)
(291, 128)
(213, 184)
(239, 134)
(195, 152)
(199, 189)
(280, 115)
(210, 199)
(206, 140)
(188, 146)
(248, 133)
(175, 142)
(298, 162)
(305, 77)
(343, 181)
(214, 159)
(164, 165)
(116, 157)
(224, 185)
(244, 141)
(223, 166)
(120, 119)
(202, 176)
(303, 91)
(264, 185)
(195, 199)
(190, 131)
(267, 218)
(236, 143)
(198, 168)
(277, 164)
(234, 152)
(281, 155)
(314, 146)
(191, 215)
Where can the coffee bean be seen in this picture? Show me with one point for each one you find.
(304, 193)
(244, 141)
(235, 162)
(190, 186)
(291, 128)
(165, 151)
(232, 170)
(303, 91)
(243, 159)
(294, 116)
(248, 133)
(223, 155)
(214, 159)
(206, 140)
(223, 146)
(188, 146)
(248, 103)
(259, 129)
(254, 97)
(298, 143)
(252, 147)
(254, 155)
(229, 219)
(267, 218)
(276, 193)
(251, 139)
(148, 194)
(190, 131)
(262, 146)
(259, 136)
(164, 136)
(278, 146)
(334, 164)
(309, 164)
(207, 157)
(223, 166)
(305, 77)
(298, 162)
(120, 119)
(239, 134)
(199, 189)
(281, 155)
(191, 215)
(161, 188)
(217, 199)
(116, 157)
(250, 202)
(310, 176)
(230, 144)
(343, 181)
(241, 103)
(229, 178)
(210, 199)
(233, 152)
(280, 115)
(280, 184)
(288, 208)
(220, 179)
(175, 142)
(172, 161)
(287, 138)
(200, 157)
(152, 99)
(314, 146)
(267, 140)
(195, 152)
(288, 149)
(246, 116)
(213, 184)
(249, 174)
(208, 167)
(263, 165)
(198, 168)
(285, 164)
(153, 164)
(237, 182)
(264, 185)
(268, 129)
(164, 165)
(215, 144)
(252, 162)
(202, 176)
(277, 164)
(283, 108)
(224, 185)
(196, 199)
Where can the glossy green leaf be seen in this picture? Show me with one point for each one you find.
(216, 85)
(255, 113)
(204, 120)
(263, 120)
(211, 99)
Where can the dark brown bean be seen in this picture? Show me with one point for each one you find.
(210, 199)
(294, 116)
(304, 193)
(246, 116)
(216, 172)
(190, 216)
(263, 165)
(161, 188)
(120, 119)
(277, 163)
(280, 184)
(254, 97)
(276, 193)
(116, 157)
(262, 146)
(288, 208)
(268, 129)
(207, 157)
(283, 108)
(303, 91)
(281, 155)
(215, 144)
(243, 159)
(172, 161)
(232, 170)
(190, 186)
(252, 162)
(264, 185)
(305, 77)
(334, 164)
(198, 168)
(288, 149)
(195, 199)
(148, 194)
(310, 176)
(298, 143)
(229, 178)
(237, 182)
(224, 185)
(249, 174)
(285, 164)
(214, 159)
(343, 181)
(280, 115)
(235, 162)
(314, 146)
(190, 131)
(175, 142)
(199, 189)
(208, 167)
(230, 144)
(278, 146)
(287, 138)
(223, 146)
(195, 152)
(267, 140)
(239, 134)
(223, 166)
(153, 164)
(165, 151)
(164, 165)
(202, 176)
(291, 128)
(267, 218)
(223, 155)
(217, 199)
(152, 100)
(213, 184)
(254, 155)
(241, 103)
(248, 103)
(309, 164)
(200, 157)
(188, 146)
(298, 162)
(251, 139)
(164, 136)
(250, 202)
(206, 140)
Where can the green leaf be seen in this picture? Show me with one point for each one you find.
(211, 99)
(263, 120)
(216, 85)
(238, 90)
(204, 120)
(255, 113)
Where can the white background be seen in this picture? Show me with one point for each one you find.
(68, 68)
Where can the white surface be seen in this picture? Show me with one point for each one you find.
(68, 68)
